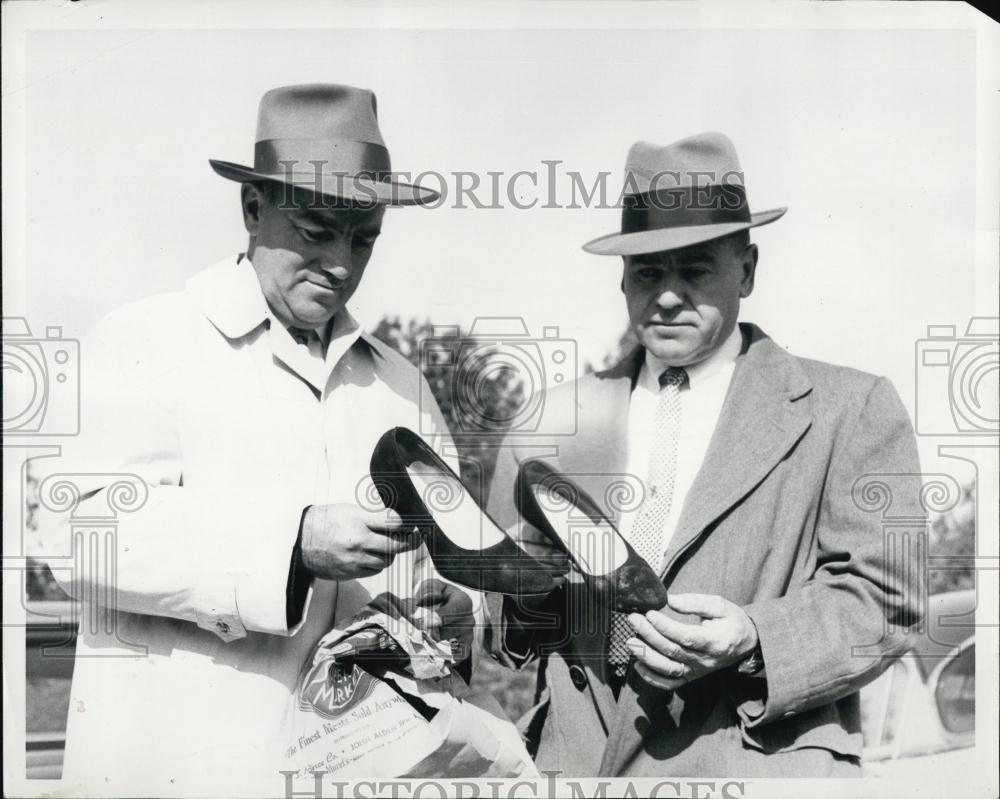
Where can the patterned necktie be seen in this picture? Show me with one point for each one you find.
(647, 531)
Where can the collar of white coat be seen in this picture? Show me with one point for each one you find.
(698, 372)
(229, 294)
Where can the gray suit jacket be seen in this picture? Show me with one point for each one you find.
(783, 519)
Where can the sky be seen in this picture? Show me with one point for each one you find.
(867, 136)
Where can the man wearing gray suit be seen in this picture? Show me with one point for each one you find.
(785, 596)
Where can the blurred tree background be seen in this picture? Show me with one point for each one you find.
(953, 536)
(472, 385)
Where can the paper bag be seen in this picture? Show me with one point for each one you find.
(381, 699)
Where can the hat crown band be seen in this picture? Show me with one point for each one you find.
(665, 179)
(288, 157)
(715, 204)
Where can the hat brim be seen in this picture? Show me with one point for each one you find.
(383, 192)
(674, 238)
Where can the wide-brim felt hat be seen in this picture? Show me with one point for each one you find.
(324, 138)
(681, 194)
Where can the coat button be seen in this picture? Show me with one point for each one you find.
(578, 676)
(222, 627)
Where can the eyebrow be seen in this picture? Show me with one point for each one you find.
(369, 225)
(701, 253)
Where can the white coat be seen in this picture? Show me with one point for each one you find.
(230, 430)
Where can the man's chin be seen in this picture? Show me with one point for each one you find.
(315, 315)
(673, 350)
(313, 318)
(674, 357)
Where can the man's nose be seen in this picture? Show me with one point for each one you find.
(337, 261)
(671, 296)
(338, 272)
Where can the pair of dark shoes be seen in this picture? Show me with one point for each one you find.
(469, 548)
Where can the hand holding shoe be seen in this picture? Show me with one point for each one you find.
(345, 542)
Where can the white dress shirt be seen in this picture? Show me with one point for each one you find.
(701, 404)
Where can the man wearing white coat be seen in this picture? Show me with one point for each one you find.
(247, 407)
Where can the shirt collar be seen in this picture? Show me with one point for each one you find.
(229, 294)
(697, 372)
(342, 325)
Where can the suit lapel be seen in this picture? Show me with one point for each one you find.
(759, 423)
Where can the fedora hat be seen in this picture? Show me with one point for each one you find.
(681, 194)
(324, 138)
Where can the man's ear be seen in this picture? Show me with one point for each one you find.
(624, 268)
(252, 199)
(749, 267)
